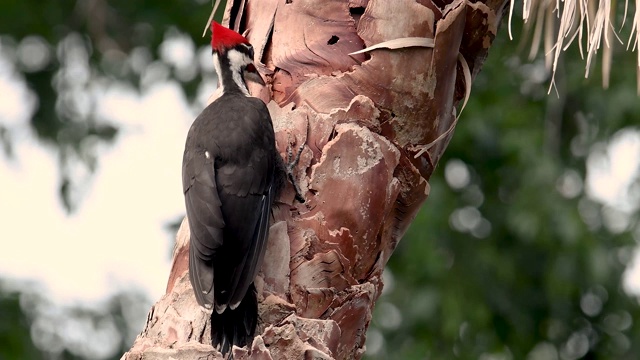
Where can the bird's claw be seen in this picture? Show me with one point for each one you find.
(292, 162)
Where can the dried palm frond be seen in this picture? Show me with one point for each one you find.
(558, 23)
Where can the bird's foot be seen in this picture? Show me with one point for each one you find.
(292, 162)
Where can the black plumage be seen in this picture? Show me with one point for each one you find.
(229, 184)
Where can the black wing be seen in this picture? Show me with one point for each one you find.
(205, 222)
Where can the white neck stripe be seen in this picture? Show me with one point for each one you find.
(216, 65)
(236, 61)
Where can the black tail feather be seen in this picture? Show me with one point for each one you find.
(236, 327)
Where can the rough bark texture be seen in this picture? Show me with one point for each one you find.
(362, 120)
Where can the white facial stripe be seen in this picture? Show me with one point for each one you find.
(236, 61)
(216, 65)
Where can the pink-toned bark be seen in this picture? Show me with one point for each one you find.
(368, 124)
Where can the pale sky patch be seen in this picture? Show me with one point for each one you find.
(117, 236)
(612, 168)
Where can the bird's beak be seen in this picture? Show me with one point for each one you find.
(251, 74)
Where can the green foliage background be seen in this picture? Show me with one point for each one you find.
(537, 276)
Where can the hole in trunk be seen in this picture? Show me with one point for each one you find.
(356, 10)
(334, 39)
(356, 13)
(332, 135)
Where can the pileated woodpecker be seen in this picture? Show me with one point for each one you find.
(229, 177)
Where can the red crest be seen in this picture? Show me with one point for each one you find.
(223, 38)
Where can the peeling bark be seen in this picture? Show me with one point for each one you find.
(364, 121)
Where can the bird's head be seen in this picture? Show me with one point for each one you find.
(237, 49)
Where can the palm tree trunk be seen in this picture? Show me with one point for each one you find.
(373, 126)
